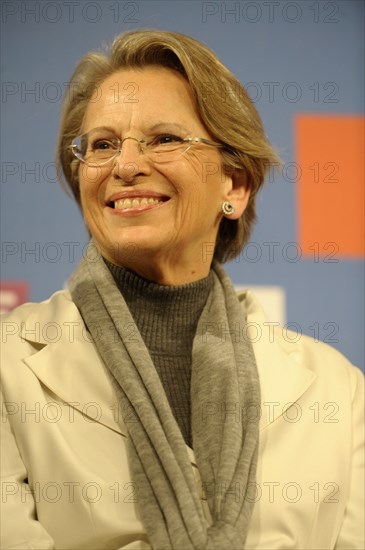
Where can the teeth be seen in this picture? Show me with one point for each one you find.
(123, 204)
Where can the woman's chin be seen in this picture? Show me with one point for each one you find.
(134, 244)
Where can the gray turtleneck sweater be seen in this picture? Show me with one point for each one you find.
(167, 317)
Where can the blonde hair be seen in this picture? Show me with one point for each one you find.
(223, 105)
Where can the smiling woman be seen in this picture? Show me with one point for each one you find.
(163, 379)
(214, 98)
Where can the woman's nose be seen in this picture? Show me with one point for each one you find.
(129, 162)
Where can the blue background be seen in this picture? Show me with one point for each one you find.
(299, 46)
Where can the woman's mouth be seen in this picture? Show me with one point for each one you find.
(126, 204)
(136, 204)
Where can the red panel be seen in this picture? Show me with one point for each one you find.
(12, 294)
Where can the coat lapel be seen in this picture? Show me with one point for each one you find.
(68, 363)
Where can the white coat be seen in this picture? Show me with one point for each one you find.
(65, 477)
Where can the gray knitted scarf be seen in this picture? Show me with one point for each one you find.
(224, 389)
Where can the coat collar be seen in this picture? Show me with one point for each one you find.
(56, 330)
(284, 377)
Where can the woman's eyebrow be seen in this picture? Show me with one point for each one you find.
(108, 128)
(168, 125)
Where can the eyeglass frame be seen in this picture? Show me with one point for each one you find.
(189, 140)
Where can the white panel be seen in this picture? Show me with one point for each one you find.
(272, 299)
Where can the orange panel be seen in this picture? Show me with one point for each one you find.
(330, 155)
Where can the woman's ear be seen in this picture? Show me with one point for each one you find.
(238, 194)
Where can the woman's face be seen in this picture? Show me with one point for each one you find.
(168, 239)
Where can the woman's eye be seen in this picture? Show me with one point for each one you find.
(102, 145)
(167, 139)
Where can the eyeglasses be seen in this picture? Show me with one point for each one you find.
(98, 147)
